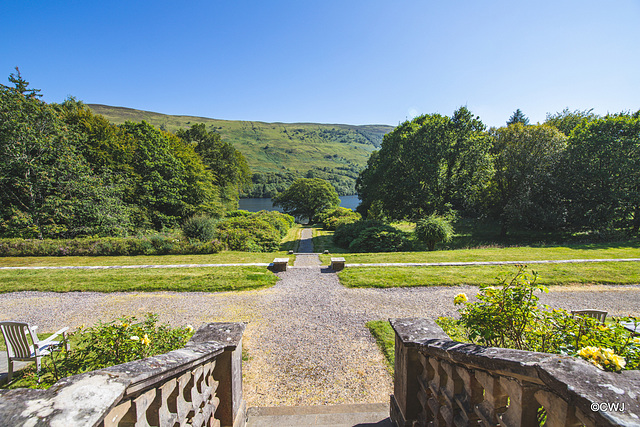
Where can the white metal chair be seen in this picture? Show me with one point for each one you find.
(596, 314)
(18, 347)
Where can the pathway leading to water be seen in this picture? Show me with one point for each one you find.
(306, 340)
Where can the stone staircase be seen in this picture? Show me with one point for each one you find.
(360, 415)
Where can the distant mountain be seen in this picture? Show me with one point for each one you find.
(278, 153)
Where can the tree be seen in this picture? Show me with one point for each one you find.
(47, 189)
(565, 121)
(307, 197)
(602, 174)
(525, 189)
(428, 165)
(518, 117)
(228, 166)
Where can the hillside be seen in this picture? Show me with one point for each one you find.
(279, 152)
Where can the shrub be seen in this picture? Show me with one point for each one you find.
(509, 316)
(332, 218)
(107, 344)
(281, 222)
(382, 238)
(200, 227)
(108, 246)
(434, 229)
(237, 213)
(248, 234)
(346, 233)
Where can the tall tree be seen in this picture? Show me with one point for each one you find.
(429, 165)
(307, 197)
(47, 189)
(566, 120)
(603, 173)
(518, 117)
(525, 190)
(229, 167)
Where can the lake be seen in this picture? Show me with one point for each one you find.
(259, 204)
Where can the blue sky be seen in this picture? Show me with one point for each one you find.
(355, 62)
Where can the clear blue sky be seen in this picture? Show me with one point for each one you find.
(355, 62)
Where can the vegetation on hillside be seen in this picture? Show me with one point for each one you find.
(279, 153)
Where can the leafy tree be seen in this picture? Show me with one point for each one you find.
(566, 120)
(307, 197)
(428, 165)
(518, 117)
(603, 173)
(228, 166)
(525, 190)
(171, 181)
(47, 189)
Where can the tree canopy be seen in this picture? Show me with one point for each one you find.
(428, 165)
(66, 172)
(307, 197)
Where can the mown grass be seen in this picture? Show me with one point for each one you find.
(385, 338)
(523, 253)
(212, 279)
(609, 273)
(291, 241)
(225, 257)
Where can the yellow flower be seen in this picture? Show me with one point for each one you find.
(125, 325)
(146, 340)
(636, 340)
(460, 299)
(135, 338)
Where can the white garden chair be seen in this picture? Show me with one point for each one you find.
(18, 347)
(596, 314)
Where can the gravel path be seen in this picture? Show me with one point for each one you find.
(306, 338)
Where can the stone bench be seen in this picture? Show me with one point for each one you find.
(337, 263)
(279, 264)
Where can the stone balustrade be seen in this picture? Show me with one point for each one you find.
(439, 382)
(198, 385)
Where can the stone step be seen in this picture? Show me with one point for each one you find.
(361, 415)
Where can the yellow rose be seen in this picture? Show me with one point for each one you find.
(460, 298)
(146, 340)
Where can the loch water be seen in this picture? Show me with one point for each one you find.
(253, 204)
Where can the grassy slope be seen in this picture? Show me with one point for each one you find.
(275, 147)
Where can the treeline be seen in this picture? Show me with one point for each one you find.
(577, 171)
(268, 184)
(66, 172)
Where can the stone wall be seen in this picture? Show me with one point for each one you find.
(439, 382)
(198, 385)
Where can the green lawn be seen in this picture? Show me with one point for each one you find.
(385, 338)
(612, 273)
(523, 253)
(226, 257)
(212, 279)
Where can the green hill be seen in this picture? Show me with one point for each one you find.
(279, 152)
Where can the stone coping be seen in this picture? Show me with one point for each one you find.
(85, 399)
(577, 381)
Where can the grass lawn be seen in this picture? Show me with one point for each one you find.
(226, 257)
(385, 338)
(291, 241)
(623, 273)
(212, 279)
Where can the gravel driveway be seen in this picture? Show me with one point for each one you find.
(306, 339)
